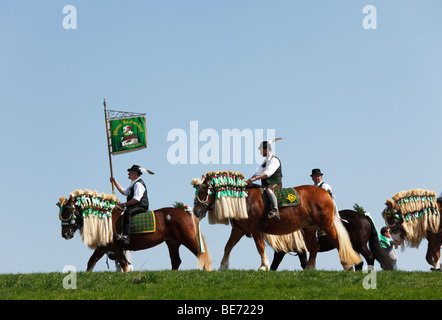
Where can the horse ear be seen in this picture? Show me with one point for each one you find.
(391, 205)
(61, 202)
(195, 182)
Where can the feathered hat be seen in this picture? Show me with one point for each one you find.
(267, 144)
(140, 170)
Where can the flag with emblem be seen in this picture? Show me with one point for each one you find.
(128, 134)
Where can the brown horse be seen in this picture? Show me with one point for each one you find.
(316, 210)
(361, 231)
(395, 221)
(173, 225)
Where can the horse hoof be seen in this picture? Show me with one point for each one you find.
(437, 270)
(263, 269)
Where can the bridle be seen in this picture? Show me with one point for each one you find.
(72, 219)
(205, 202)
(396, 226)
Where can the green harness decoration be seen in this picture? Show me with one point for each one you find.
(416, 212)
(230, 196)
(227, 184)
(416, 203)
(95, 206)
(96, 211)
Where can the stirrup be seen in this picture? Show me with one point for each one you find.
(123, 238)
(273, 215)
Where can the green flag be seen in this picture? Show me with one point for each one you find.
(128, 134)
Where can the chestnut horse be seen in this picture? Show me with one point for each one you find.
(361, 231)
(434, 238)
(316, 210)
(173, 225)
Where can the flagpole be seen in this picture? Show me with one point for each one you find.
(108, 145)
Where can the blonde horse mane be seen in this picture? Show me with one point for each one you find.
(292, 242)
(97, 216)
(419, 212)
(230, 197)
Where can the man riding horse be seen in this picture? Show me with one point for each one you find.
(137, 201)
(270, 174)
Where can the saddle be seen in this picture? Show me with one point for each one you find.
(287, 197)
(143, 222)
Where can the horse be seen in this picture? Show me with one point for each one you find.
(361, 230)
(395, 221)
(316, 210)
(174, 226)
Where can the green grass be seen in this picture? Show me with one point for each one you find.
(232, 284)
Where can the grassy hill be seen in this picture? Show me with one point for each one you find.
(230, 285)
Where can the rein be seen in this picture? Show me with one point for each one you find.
(204, 202)
(71, 219)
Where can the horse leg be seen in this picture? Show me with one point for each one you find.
(302, 259)
(121, 258)
(313, 248)
(235, 235)
(277, 258)
(433, 252)
(98, 253)
(174, 253)
(260, 245)
(366, 253)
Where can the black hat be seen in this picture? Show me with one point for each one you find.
(316, 171)
(265, 145)
(136, 169)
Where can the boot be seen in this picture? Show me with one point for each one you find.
(273, 205)
(125, 235)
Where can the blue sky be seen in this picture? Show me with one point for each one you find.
(362, 105)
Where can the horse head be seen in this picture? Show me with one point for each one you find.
(393, 219)
(71, 219)
(204, 198)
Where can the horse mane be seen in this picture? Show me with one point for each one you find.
(230, 198)
(96, 210)
(418, 210)
(292, 242)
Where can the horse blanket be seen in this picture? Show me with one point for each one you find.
(144, 222)
(287, 197)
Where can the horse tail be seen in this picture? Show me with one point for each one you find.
(348, 256)
(375, 247)
(204, 259)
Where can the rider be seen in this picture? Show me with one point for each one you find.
(270, 174)
(137, 201)
(317, 179)
(317, 182)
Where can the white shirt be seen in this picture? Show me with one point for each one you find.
(326, 187)
(138, 190)
(271, 165)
